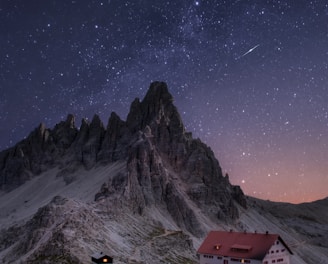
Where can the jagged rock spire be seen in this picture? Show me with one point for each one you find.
(160, 157)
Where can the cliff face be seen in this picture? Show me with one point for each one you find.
(142, 190)
(166, 167)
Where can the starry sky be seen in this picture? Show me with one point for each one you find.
(249, 77)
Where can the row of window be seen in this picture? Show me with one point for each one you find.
(232, 259)
(245, 260)
(277, 251)
(208, 256)
(278, 260)
(241, 260)
(274, 261)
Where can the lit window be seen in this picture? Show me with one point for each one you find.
(217, 246)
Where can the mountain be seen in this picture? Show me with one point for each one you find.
(142, 190)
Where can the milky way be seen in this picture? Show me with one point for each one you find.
(248, 77)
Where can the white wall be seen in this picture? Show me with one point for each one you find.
(277, 251)
(215, 260)
(205, 260)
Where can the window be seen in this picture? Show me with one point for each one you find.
(240, 260)
(283, 250)
(280, 260)
(241, 248)
(217, 246)
(274, 261)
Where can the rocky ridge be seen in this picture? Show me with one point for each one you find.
(66, 231)
(160, 155)
(142, 190)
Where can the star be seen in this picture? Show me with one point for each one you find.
(259, 114)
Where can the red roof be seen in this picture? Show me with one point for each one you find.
(239, 245)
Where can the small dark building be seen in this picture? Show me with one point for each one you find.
(101, 258)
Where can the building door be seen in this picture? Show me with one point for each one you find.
(225, 261)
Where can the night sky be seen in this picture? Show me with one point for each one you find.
(249, 78)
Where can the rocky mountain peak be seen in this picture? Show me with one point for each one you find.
(155, 109)
(154, 187)
(96, 122)
(70, 121)
(157, 96)
(160, 157)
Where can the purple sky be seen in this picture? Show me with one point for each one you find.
(248, 77)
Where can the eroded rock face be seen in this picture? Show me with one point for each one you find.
(147, 177)
(116, 138)
(166, 167)
(92, 144)
(69, 231)
(45, 238)
(163, 149)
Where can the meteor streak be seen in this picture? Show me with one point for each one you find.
(249, 51)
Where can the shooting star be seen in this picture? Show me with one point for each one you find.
(250, 50)
(247, 52)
